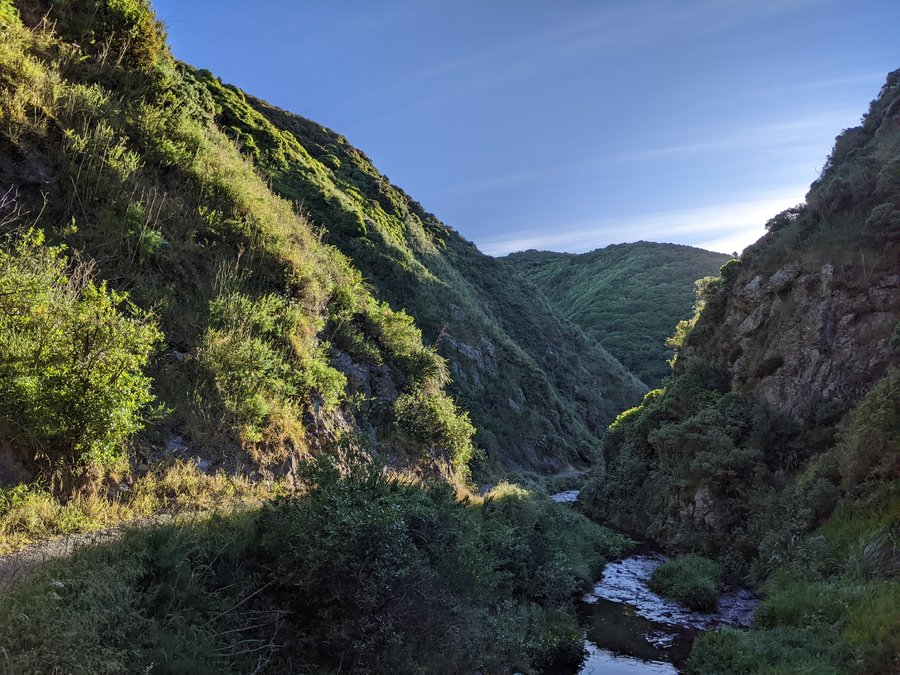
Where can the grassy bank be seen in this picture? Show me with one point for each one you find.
(31, 513)
(690, 579)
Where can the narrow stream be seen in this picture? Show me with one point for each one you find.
(630, 630)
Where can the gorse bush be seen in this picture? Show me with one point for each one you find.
(256, 362)
(74, 353)
(869, 449)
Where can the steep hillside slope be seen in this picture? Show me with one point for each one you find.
(268, 345)
(539, 391)
(174, 336)
(749, 454)
(625, 296)
(234, 243)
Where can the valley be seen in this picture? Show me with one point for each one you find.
(261, 411)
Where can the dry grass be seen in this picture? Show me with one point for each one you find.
(30, 514)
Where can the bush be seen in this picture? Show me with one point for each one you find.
(434, 423)
(869, 447)
(118, 32)
(400, 578)
(690, 579)
(357, 573)
(72, 380)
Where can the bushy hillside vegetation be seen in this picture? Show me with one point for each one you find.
(109, 149)
(179, 330)
(540, 393)
(359, 573)
(774, 445)
(627, 297)
(224, 216)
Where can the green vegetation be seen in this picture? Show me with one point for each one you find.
(226, 218)
(31, 513)
(832, 604)
(690, 579)
(790, 485)
(832, 608)
(115, 153)
(362, 573)
(539, 391)
(627, 297)
(190, 282)
(179, 259)
(72, 380)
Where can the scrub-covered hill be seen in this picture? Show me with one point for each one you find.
(286, 280)
(176, 336)
(152, 280)
(627, 297)
(539, 391)
(775, 446)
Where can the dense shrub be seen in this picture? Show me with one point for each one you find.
(831, 602)
(869, 448)
(690, 579)
(433, 423)
(360, 573)
(72, 380)
(119, 32)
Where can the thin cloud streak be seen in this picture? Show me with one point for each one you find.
(807, 131)
(790, 138)
(817, 84)
(724, 227)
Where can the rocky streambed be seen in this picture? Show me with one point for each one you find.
(630, 630)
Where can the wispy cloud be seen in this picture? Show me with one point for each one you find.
(859, 78)
(787, 135)
(791, 139)
(722, 227)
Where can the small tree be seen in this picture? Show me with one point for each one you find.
(72, 381)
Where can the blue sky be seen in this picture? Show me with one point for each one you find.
(566, 124)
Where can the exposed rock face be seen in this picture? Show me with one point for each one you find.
(799, 337)
(810, 315)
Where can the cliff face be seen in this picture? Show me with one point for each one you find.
(810, 313)
(799, 331)
(808, 333)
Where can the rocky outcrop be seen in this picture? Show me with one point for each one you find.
(799, 337)
(810, 314)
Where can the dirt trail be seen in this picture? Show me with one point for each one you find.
(15, 566)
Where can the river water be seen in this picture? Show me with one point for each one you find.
(630, 630)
